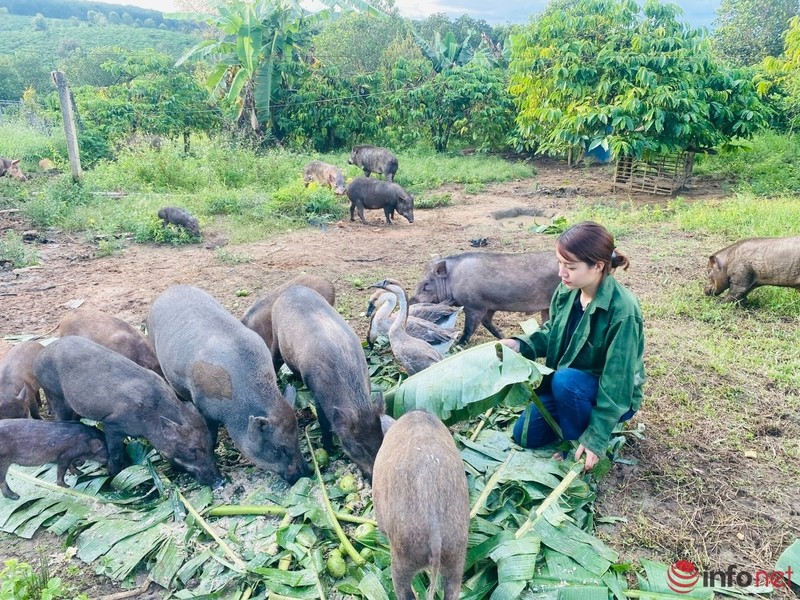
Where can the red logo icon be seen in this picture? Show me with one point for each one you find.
(682, 577)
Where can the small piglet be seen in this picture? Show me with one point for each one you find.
(421, 503)
(751, 263)
(84, 379)
(31, 443)
(259, 316)
(111, 332)
(19, 390)
(180, 217)
(319, 346)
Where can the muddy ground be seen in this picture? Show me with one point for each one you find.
(685, 496)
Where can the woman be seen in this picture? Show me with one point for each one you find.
(594, 341)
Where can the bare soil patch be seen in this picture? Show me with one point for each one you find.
(687, 496)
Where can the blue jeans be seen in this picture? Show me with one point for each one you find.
(569, 395)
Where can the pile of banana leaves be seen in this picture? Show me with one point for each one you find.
(531, 530)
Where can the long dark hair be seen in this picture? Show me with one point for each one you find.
(591, 243)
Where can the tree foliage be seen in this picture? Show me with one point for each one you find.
(778, 81)
(636, 79)
(746, 31)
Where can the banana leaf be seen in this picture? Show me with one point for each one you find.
(466, 384)
(788, 559)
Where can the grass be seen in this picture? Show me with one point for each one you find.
(247, 195)
(768, 168)
(14, 251)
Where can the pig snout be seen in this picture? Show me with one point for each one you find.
(293, 473)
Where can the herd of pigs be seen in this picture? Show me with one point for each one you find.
(200, 367)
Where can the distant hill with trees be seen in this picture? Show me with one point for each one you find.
(84, 11)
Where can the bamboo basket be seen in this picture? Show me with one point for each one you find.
(663, 175)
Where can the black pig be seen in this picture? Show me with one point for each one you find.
(364, 192)
(223, 367)
(180, 217)
(374, 159)
(31, 443)
(83, 379)
(319, 346)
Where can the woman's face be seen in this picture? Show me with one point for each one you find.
(576, 274)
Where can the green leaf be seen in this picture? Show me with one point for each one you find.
(467, 384)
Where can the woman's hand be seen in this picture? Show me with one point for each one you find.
(591, 457)
(513, 344)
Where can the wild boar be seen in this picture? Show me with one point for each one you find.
(259, 316)
(319, 346)
(364, 192)
(751, 263)
(181, 218)
(324, 174)
(31, 443)
(19, 390)
(223, 367)
(421, 503)
(111, 332)
(83, 379)
(11, 168)
(374, 159)
(485, 282)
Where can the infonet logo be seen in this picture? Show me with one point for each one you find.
(683, 576)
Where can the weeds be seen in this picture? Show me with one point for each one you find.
(14, 251)
(427, 201)
(231, 258)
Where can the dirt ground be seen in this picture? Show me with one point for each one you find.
(668, 514)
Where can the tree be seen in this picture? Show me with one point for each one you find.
(114, 18)
(353, 43)
(613, 74)
(748, 30)
(259, 45)
(469, 102)
(39, 22)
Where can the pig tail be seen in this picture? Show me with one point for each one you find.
(618, 259)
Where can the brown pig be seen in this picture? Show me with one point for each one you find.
(259, 316)
(31, 443)
(19, 390)
(84, 379)
(111, 332)
(324, 174)
(319, 346)
(11, 168)
(487, 282)
(421, 503)
(751, 263)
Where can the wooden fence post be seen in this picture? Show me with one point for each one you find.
(60, 81)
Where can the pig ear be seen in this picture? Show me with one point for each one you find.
(440, 270)
(95, 445)
(15, 162)
(713, 261)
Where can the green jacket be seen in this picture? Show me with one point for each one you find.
(608, 342)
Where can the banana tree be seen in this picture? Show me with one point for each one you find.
(258, 42)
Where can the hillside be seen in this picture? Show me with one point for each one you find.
(18, 36)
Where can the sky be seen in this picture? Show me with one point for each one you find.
(698, 13)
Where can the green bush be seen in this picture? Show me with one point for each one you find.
(223, 204)
(432, 201)
(13, 250)
(296, 200)
(44, 211)
(153, 229)
(769, 167)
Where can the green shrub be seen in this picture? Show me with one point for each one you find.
(296, 200)
(432, 201)
(223, 204)
(13, 250)
(44, 211)
(18, 581)
(153, 230)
